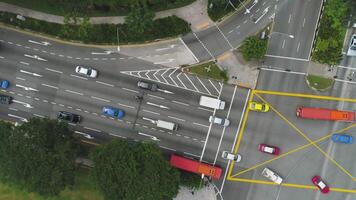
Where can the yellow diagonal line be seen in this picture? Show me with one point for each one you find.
(306, 137)
(241, 132)
(304, 95)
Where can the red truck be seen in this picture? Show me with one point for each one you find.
(325, 114)
(195, 166)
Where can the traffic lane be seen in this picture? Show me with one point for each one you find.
(196, 47)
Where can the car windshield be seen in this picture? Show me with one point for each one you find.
(321, 185)
(89, 72)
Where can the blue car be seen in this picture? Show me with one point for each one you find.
(113, 112)
(4, 84)
(340, 138)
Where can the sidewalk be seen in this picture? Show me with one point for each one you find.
(195, 14)
(206, 193)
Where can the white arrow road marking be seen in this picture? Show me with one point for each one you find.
(31, 73)
(170, 47)
(150, 120)
(35, 57)
(26, 88)
(23, 103)
(44, 43)
(165, 91)
(150, 136)
(18, 117)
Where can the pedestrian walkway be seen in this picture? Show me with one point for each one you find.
(195, 14)
(206, 193)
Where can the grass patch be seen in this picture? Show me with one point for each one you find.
(319, 83)
(86, 8)
(209, 70)
(218, 9)
(102, 33)
(84, 189)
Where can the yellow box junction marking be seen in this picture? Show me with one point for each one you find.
(311, 142)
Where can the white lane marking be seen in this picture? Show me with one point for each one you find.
(60, 55)
(74, 92)
(176, 118)
(44, 100)
(163, 147)
(18, 117)
(303, 22)
(78, 77)
(51, 86)
(150, 95)
(117, 135)
(101, 99)
(31, 73)
(283, 71)
(126, 105)
(201, 125)
(203, 85)
(52, 53)
(205, 109)
(181, 103)
(195, 58)
(53, 70)
(231, 31)
(237, 133)
(290, 17)
(284, 42)
(37, 115)
(213, 86)
(22, 79)
(103, 83)
(2, 57)
(190, 154)
(298, 46)
(285, 57)
(24, 63)
(61, 105)
(150, 112)
(92, 129)
(26, 88)
(130, 90)
(20, 94)
(245, 21)
(14, 109)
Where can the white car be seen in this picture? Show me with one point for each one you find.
(229, 156)
(271, 175)
(86, 71)
(352, 48)
(219, 121)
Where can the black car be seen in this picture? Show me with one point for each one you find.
(148, 86)
(5, 99)
(63, 115)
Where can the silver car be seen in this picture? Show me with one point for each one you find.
(86, 71)
(219, 121)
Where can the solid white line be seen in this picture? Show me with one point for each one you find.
(172, 78)
(155, 96)
(190, 154)
(214, 86)
(284, 42)
(350, 68)
(150, 112)
(53, 70)
(37, 115)
(235, 139)
(49, 86)
(101, 99)
(203, 85)
(223, 131)
(176, 118)
(205, 109)
(130, 90)
(163, 147)
(283, 71)
(78, 77)
(316, 27)
(196, 59)
(107, 84)
(22, 79)
(126, 105)
(290, 17)
(298, 46)
(117, 135)
(212, 56)
(289, 58)
(163, 77)
(201, 125)
(74, 92)
(93, 129)
(24, 63)
(178, 102)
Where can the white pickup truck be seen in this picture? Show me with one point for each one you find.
(271, 175)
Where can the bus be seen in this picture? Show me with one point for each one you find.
(325, 114)
(195, 166)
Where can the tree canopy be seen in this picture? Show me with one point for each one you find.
(253, 48)
(134, 171)
(140, 19)
(38, 155)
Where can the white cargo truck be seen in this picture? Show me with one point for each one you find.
(167, 125)
(212, 103)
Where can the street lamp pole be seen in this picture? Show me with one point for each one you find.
(118, 39)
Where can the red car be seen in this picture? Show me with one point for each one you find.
(320, 184)
(268, 149)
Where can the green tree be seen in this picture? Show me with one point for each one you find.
(41, 155)
(125, 171)
(140, 19)
(190, 180)
(84, 29)
(253, 48)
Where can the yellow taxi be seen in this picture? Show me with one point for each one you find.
(259, 107)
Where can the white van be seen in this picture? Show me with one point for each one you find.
(212, 102)
(167, 125)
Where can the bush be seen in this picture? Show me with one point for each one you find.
(253, 48)
(102, 33)
(190, 180)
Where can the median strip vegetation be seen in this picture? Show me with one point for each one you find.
(83, 31)
(319, 83)
(208, 70)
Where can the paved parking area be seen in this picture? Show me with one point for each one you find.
(176, 78)
(306, 149)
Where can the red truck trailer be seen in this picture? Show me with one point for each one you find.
(325, 114)
(195, 166)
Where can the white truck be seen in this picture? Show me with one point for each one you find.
(212, 102)
(167, 125)
(271, 175)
